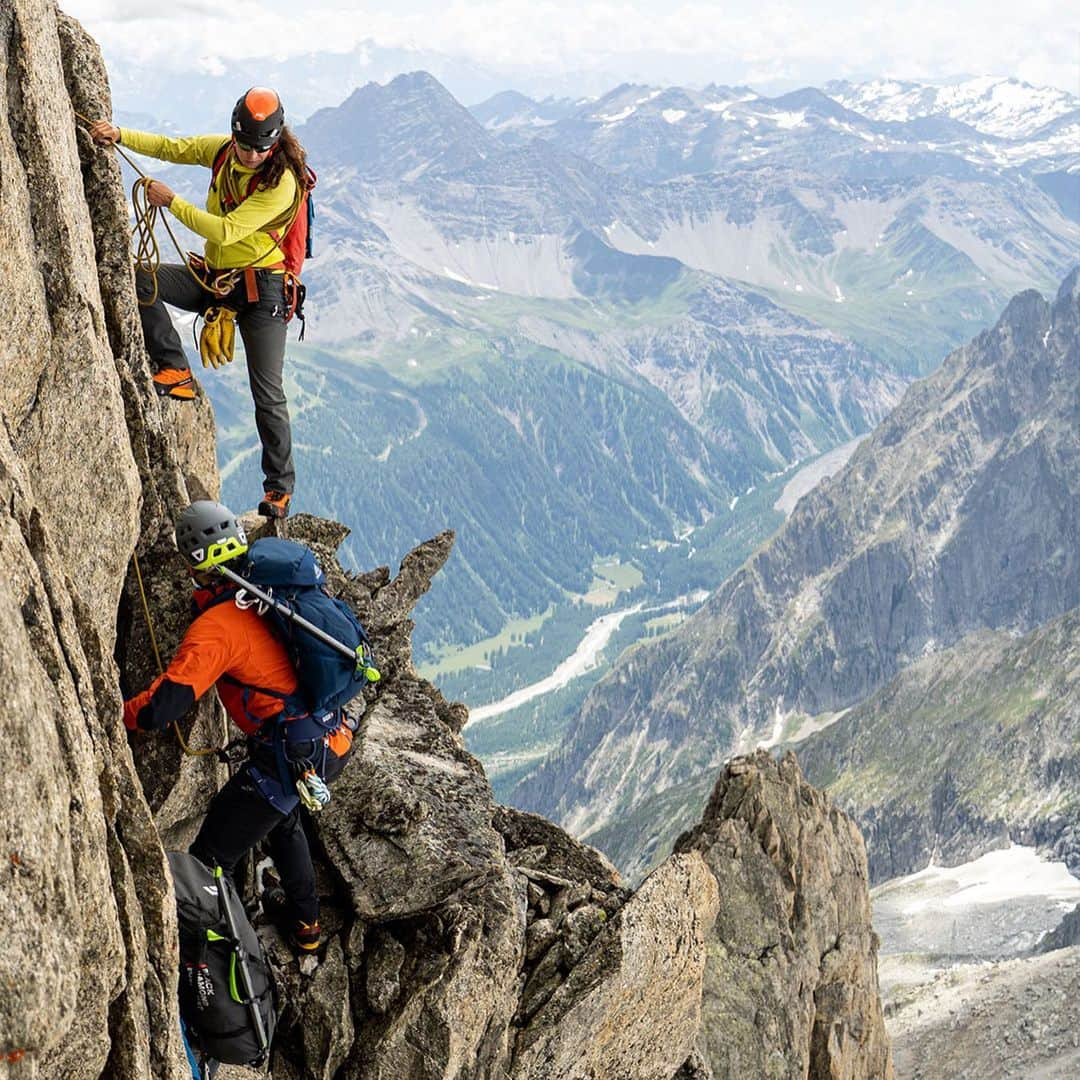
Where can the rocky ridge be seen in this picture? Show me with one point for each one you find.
(967, 750)
(792, 956)
(463, 940)
(956, 514)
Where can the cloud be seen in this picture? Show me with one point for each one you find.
(804, 42)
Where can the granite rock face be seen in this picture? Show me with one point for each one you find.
(93, 969)
(791, 986)
(631, 1006)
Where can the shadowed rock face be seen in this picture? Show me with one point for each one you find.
(463, 940)
(791, 987)
(88, 461)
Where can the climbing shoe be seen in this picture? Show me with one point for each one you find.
(175, 383)
(302, 937)
(275, 504)
(305, 937)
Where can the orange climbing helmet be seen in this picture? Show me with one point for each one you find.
(257, 118)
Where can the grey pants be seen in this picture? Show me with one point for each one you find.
(262, 329)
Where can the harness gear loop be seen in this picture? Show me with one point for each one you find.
(218, 750)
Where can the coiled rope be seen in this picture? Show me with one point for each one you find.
(144, 240)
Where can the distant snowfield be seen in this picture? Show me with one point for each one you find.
(1008, 874)
(1006, 108)
(997, 905)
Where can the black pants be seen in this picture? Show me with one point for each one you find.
(262, 329)
(239, 817)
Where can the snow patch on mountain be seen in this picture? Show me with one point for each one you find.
(996, 905)
(524, 265)
(789, 120)
(1004, 108)
(617, 118)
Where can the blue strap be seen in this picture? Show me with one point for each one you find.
(196, 1068)
(283, 800)
(284, 773)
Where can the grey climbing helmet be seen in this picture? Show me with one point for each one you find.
(208, 534)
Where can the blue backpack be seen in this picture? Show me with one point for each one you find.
(328, 680)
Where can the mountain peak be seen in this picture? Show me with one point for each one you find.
(418, 80)
(408, 126)
(1070, 288)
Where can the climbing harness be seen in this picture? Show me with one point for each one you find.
(220, 751)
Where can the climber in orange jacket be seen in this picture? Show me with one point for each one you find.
(228, 645)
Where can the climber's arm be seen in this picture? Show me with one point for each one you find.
(203, 657)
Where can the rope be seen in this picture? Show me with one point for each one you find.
(146, 613)
(147, 252)
(161, 668)
(148, 258)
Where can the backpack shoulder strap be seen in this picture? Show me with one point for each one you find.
(219, 161)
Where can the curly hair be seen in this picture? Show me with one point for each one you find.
(287, 154)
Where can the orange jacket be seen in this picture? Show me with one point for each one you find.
(222, 640)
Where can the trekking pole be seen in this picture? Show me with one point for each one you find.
(242, 964)
(360, 654)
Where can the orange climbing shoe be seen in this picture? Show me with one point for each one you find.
(175, 383)
(305, 937)
(275, 504)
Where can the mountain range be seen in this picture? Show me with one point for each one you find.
(768, 295)
(958, 515)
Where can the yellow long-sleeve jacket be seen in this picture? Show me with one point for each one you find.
(234, 238)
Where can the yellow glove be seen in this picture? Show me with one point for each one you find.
(218, 336)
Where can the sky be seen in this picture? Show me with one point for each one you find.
(762, 43)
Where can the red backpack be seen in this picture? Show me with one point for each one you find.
(295, 242)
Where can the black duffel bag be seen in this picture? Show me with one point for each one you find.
(226, 986)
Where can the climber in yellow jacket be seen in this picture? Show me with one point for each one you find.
(256, 184)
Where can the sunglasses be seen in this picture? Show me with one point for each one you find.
(241, 145)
